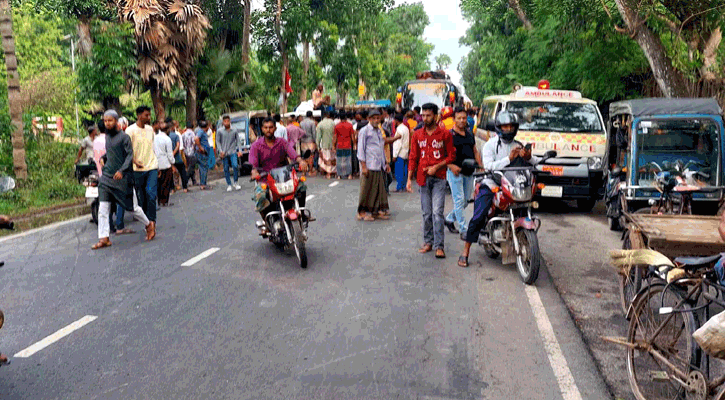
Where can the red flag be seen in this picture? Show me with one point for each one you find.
(288, 82)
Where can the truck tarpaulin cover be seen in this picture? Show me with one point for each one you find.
(662, 106)
(431, 75)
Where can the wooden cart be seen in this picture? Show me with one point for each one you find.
(675, 235)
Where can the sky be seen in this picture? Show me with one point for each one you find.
(446, 27)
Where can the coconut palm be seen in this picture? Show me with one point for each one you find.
(170, 35)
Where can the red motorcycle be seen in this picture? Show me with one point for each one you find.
(286, 225)
(511, 229)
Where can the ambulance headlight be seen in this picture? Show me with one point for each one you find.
(594, 162)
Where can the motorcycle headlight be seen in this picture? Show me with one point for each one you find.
(521, 194)
(285, 188)
(594, 162)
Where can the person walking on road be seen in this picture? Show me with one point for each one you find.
(432, 150)
(308, 140)
(163, 147)
(203, 150)
(280, 131)
(85, 152)
(145, 163)
(401, 149)
(189, 140)
(343, 144)
(178, 145)
(325, 137)
(373, 200)
(227, 144)
(115, 182)
(461, 184)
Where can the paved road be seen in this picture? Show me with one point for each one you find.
(369, 319)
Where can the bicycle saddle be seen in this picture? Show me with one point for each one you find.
(695, 262)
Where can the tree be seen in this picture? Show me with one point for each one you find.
(443, 61)
(169, 38)
(11, 63)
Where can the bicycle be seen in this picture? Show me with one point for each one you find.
(663, 359)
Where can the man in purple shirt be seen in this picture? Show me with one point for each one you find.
(270, 152)
(294, 133)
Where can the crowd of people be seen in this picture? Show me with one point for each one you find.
(138, 165)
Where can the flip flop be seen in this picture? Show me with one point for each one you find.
(440, 253)
(463, 262)
(425, 249)
(125, 231)
(382, 217)
(101, 244)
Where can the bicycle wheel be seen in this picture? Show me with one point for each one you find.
(649, 377)
(631, 284)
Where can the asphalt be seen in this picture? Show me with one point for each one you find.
(369, 319)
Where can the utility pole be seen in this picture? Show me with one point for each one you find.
(73, 65)
(285, 61)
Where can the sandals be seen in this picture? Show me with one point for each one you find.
(124, 231)
(440, 253)
(365, 217)
(383, 217)
(425, 249)
(101, 244)
(463, 262)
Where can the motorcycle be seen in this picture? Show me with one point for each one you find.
(91, 184)
(286, 225)
(511, 229)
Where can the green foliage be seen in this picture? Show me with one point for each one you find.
(222, 84)
(443, 61)
(572, 44)
(112, 64)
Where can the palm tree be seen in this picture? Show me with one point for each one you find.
(223, 85)
(170, 35)
(16, 113)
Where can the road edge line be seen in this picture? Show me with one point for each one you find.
(557, 360)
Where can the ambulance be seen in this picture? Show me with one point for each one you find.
(560, 120)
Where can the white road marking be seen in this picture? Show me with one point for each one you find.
(200, 257)
(333, 184)
(44, 228)
(310, 197)
(55, 337)
(567, 386)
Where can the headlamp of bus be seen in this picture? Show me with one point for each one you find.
(594, 162)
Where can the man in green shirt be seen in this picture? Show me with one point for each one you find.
(325, 136)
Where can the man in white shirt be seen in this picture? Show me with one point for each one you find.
(400, 153)
(281, 131)
(165, 154)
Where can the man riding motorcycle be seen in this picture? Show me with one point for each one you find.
(266, 154)
(498, 152)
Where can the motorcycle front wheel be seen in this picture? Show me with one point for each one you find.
(299, 243)
(529, 261)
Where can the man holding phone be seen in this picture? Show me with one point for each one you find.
(498, 153)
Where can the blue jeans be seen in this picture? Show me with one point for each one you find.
(401, 173)
(483, 202)
(120, 212)
(230, 161)
(147, 188)
(203, 161)
(433, 202)
(461, 188)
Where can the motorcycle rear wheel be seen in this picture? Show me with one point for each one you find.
(529, 261)
(299, 243)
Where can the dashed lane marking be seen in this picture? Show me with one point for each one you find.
(567, 386)
(333, 184)
(310, 197)
(55, 337)
(200, 257)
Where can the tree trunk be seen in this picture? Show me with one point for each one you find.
(285, 61)
(85, 41)
(112, 102)
(16, 113)
(305, 69)
(246, 30)
(191, 97)
(671, 81)
(158, 101)
(709, 55)
(516, 7)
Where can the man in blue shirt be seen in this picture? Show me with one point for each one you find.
(202, 153)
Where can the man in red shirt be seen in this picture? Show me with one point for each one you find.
(431, 151)
(342, 141)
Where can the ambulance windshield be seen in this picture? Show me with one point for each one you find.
(556, 116)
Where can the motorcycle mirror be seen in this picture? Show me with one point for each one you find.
(551, 154)
(6, 184)
(469, 163)
(307, 154)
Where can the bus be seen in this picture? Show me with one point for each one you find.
(431, 88)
